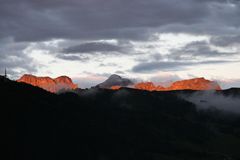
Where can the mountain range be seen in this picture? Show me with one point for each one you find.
(116, 82)
(105, 124)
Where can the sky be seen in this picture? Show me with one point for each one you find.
(153, 40)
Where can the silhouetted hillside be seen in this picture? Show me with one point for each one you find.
(100, 124)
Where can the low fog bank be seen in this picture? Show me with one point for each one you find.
(213, 99)
(202, 99)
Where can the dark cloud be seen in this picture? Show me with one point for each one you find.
(89, 50)
(120, 72)
(150, 67)
(70, 57)
(211, 99)
(157, 57)
(108, 65)
(158, 66)
(225, 41)
(92, 47)
(194, 50)
(29, 20)
(91, 20)
(192, 54)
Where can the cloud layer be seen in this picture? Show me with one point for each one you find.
(46, 36)
(210, 99)
(29, 20)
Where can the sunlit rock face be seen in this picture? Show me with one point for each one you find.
(49, 84)
(116, 87)
(195, 84)
(149, 86)
(191, 84)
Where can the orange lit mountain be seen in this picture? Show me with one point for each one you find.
(191, 84)
(115, 82)
(149, 86)
(49, 84)
(195, 84)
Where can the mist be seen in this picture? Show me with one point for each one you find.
(213, 99)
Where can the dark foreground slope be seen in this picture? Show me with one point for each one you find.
(113, 125)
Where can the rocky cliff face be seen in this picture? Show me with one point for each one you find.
(195, 84)
(191, 84)
(49, 84)
(149, 86)
(115, 82)
(116, 87)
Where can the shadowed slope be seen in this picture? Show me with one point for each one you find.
(115, 125)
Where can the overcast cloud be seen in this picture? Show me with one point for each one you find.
(170, 66)
(29, 20)
(79, 34)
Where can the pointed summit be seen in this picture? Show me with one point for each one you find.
(115, 76)
(115, 80)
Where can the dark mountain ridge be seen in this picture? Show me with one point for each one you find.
(107, 124)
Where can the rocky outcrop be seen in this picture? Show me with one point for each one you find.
(149, 86)
(191, 84)
(116, 87)
(49, 84)
(195, 84)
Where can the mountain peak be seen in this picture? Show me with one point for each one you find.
(115, 80)
(195, 84)
(63, 79)
(115, 76)
(190, 84)
(48, 83)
